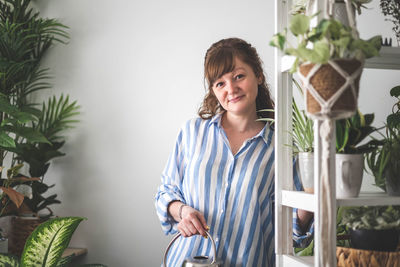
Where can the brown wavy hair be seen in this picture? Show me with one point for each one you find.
(220, 59)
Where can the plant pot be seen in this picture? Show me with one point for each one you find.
(392, 183)
(21, 228)
(349, 173)
(306, 170)
(378, 240)
(325, 84)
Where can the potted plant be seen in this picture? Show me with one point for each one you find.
(336, 55)
(303, 138)
(26, 37)
(373, 228)
(46, 245)
(350, 154)
(391, 8)
(384, 162)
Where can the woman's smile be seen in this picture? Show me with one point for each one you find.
(235, 99)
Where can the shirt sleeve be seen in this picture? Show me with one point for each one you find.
(171, 186)
(301, 239)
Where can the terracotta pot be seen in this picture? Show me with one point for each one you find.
(21, 228)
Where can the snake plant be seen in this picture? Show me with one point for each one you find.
(46, 245)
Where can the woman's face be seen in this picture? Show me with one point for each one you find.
(237, 91)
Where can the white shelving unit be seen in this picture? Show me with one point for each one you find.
(286, 198)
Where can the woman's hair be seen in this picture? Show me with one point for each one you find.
(220, 59)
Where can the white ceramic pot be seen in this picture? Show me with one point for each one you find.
(306, 169)
(349, 173)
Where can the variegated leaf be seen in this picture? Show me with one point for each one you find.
(7, 260)
(46, 244)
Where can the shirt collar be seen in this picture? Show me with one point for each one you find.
(266, 133)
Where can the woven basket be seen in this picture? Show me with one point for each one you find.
(21, 228)
(327, 81)
(350, 257)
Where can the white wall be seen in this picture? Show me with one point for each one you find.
(136, 68)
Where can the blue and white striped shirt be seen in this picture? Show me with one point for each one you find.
(234, 192)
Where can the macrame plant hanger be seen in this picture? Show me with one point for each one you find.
(328, 111)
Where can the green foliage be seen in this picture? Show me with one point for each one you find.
(55, 118)
(303, 134)
(330, 39)
(30, 134)
(46, 244)
(352, 131)
(385, 160)
(47, 251)
(7, 260)
(372, 218)
(391, 8)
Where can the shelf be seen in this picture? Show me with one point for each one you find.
(289, 260)
(298, 199)
(389, 59)
(369, 199)
(74, 251)
(305, 201)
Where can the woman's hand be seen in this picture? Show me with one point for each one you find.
(192, 223)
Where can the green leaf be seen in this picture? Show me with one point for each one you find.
(299, 24)
(322, 49)
(7, 260)
(278, 40)
(395, 91)
(6, 141)
(393, 120)
(30, 134)
(46, 244)
(64, 262)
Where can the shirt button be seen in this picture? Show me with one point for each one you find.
(222, 211)
(216, 239)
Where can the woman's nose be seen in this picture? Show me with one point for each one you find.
(231, 87)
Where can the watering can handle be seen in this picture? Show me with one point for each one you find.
(176, 237)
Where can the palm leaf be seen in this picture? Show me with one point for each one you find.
(56, 117)
(7, 260)
(46, 244)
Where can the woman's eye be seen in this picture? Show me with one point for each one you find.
(219, 84)
(239, 76)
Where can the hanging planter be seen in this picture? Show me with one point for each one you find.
(332, 88)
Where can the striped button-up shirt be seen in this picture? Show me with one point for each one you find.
(234, 192)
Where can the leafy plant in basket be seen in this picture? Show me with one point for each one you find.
(373, 228)
(384, 162)
(330, 40)
(46, 245)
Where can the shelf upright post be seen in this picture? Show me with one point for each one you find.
(283, 153)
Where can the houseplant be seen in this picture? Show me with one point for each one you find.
(373, 228)
(350, 154)
(303, 139)
(384, 162)
(26, 37)
(46, 244)
(391, 8)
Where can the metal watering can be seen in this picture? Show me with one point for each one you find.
(196, 261)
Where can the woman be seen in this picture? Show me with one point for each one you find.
(220, 175)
